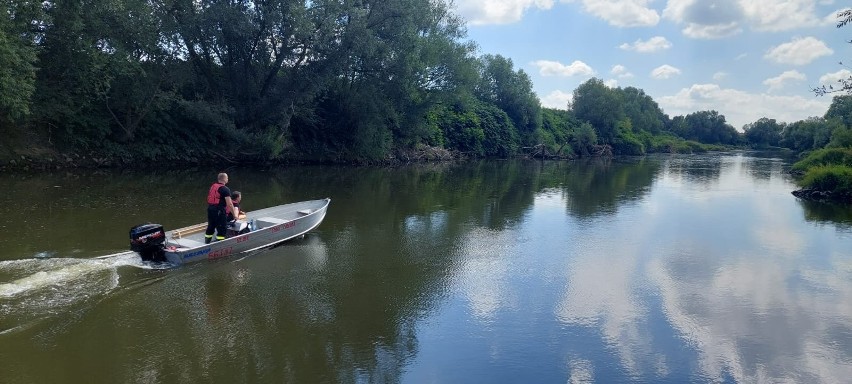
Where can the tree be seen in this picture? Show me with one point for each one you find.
(601, 106)
(706, 127)
(17, 58)
(644, 113)
(805, 135)
(510, 91)
(763, 132)
(841, 108)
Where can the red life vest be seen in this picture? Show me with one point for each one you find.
(213, 196)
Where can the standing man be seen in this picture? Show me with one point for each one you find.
(218, 201)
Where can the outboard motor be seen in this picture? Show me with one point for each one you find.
(148, 240)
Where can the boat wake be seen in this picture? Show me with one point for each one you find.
(33, 289)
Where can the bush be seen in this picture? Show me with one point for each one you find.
(826, 156)
(834, 178)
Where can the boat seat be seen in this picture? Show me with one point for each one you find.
(185, 243)
(263, 222)
(305, 212)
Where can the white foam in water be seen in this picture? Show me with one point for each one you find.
(32, 290)
(60, 272)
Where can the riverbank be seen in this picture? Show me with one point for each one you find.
(42, 159)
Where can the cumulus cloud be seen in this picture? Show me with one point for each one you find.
(741, 107)
(482, 12)
(622, 13)
(664, 72)
(780, 15)
(654, 44)
(799, 51)
(778, 82)
(555, 68)
(833, 78)
(713, 19)
(706, 19)
(720, 75)
(621, 71)
(612, 83)
(557, 100)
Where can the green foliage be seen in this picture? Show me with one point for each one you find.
(512, 92)
(841, 108)
(17, 60)
(583, 139)
(705, 127)
(824, 157)
(643, 111)
(834, 178)
(626, 142)
(460, 128)
(601, 106)
(556, 129)
(764, 132)
(805, 135)
(841, 137)
(501, 138)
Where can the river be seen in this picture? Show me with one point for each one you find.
(682, 268)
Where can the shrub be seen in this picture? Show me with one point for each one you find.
(834, 178)
(826, 156)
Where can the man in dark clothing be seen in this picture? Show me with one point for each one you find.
(218, 201)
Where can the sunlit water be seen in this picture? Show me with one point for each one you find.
(693, 268)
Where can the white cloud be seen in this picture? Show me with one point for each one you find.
(664, 72)
(778, 82)
(621, 71)
(780, 15)
(833, 78)
(706, 19)
(622, 13)
(654, 44)
(557, 100)
(555, 68)
(741, 107)
(612, 83)
(799, 51)
(482, 12)
(720, 75)
(724, 18)
(717, 31)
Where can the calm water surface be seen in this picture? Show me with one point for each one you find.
(699, 268)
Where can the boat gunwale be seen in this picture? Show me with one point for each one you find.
(183, 250)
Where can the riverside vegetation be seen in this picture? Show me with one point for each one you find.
(142, 82)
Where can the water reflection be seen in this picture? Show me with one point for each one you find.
(658, 269)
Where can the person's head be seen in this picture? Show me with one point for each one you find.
(223, 178)
(236, 196)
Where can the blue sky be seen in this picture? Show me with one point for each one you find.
(746, 59)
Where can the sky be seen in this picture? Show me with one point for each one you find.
(746, 59)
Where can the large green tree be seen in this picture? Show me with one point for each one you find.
(763, 132)
(511, 91)
(601, 106)
(18, 35)
(644, 113)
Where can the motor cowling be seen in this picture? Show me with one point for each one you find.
(149, 241)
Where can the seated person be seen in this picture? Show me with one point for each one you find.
(236, 197)
(236, 227)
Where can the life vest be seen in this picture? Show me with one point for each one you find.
(213, 196)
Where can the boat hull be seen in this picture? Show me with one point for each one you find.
(274, 225)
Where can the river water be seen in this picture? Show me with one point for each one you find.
(687, 268)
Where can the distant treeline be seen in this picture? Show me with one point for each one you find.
(318, 80)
